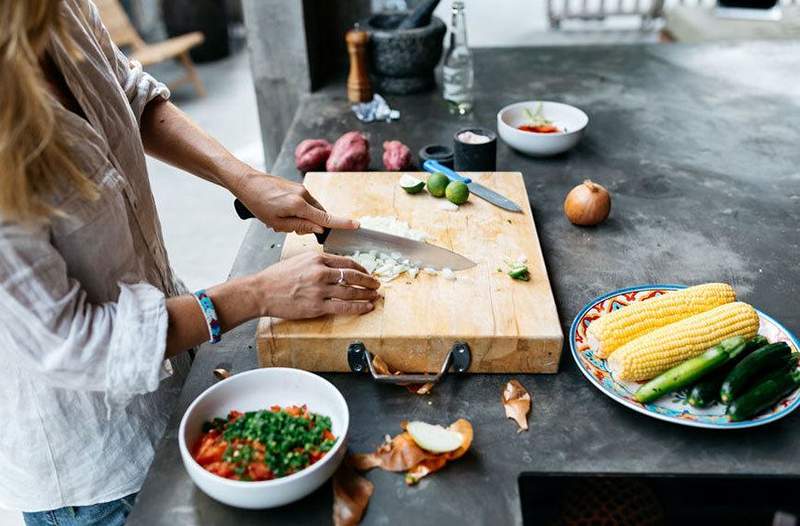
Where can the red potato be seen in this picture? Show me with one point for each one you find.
(350, 154)
(396, 156)
(311, 155)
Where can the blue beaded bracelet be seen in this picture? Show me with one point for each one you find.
(210, 313)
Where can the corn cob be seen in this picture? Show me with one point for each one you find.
(653, 353)
(613, 330)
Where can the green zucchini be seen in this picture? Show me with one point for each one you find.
(764, 395)
(691, 370)
(765, 359)
(706, 391)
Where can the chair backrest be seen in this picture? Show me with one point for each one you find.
(648, 10)
(559, 10)
(118, 24)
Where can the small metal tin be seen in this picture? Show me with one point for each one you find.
(475, 157)
(437, 152)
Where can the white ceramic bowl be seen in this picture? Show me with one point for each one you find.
(260, 389)
(568, 118)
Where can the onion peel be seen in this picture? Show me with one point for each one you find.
(517, 403)
(351, 494)
(381, 367)
(401, 453)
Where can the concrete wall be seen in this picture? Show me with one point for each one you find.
(294, 47)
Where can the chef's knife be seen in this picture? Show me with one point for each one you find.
(475, 188)
(341, 241)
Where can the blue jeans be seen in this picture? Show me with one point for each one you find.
(111, 513)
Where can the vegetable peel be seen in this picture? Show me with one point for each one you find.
(402, 453)
(351, 494)
(381, 367)
(517, 403)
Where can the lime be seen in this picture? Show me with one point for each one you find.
(457, 192)
(437, 183)
(411, 184)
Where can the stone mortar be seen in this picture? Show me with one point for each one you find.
(402, 61)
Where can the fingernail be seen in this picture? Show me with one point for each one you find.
(318, 230)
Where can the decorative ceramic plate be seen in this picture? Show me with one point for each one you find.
(674, 407)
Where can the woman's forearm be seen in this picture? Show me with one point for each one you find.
(235, 301)
(169, 135)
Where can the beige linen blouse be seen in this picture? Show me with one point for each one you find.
(85, 392)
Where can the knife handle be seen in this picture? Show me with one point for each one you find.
(434, 166)
(244, 213)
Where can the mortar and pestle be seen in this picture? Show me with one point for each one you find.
(404, 49)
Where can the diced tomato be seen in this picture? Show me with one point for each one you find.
(259, 471)
(223, 469)
(316, 455)
(294, 411)
(275, 409)
(233, 415)
(327, 435)
(209, 449)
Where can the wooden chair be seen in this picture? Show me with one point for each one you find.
(124, 35)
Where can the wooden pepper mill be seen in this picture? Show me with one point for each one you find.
(359, 88)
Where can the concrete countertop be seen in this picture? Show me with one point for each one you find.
(699, 147)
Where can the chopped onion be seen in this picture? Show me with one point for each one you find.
(387, 267)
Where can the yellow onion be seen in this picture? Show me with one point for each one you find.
(587, 204)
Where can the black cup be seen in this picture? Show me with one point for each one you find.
(437, 152)
(475, 157)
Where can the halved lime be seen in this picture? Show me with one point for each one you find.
(411, 184)
(437, 184)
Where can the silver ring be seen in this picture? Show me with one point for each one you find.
(341, 278)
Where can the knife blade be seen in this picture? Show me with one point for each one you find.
(340, 241)
(478, 189)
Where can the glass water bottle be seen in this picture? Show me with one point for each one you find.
(458, 75)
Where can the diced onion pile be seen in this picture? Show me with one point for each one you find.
(387, 267)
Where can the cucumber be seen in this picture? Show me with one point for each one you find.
(763, 396)
(706, 391)
(691, 370)
(765, 359)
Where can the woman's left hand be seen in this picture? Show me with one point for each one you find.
(285, 206)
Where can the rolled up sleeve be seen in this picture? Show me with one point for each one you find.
(140, 87)
(49, 327)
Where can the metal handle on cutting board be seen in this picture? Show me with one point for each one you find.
(360, 360)
(434, 166)
(244, 213)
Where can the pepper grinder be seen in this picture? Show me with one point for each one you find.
(359, 88)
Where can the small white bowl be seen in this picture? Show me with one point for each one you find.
(260, 389)
(567, 118)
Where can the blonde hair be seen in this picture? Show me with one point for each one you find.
(35, 159)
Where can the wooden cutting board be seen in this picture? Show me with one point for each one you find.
(510, 326)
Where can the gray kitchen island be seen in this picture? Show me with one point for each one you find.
(700, 148)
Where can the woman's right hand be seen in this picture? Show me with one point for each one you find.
(308, 285)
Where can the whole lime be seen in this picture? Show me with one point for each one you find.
(437, 184)
(457, 192)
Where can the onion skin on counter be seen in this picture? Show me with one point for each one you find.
(587, 204)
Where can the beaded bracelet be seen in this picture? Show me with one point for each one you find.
(210, 313)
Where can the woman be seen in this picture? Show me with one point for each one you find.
(93, 324)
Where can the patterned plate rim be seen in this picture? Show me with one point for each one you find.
(643, 409)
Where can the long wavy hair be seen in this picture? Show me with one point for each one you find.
(34, 156)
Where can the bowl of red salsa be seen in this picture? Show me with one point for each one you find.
(541, 128)
(264, 438)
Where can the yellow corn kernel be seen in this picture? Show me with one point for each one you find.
(653, 353)
(613, 330)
